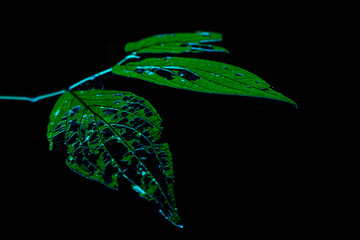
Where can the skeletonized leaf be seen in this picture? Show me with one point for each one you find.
(200, 75)
(113, 136)
(199, 41)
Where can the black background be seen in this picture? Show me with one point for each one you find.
(244, 168)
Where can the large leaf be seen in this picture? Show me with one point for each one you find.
(201, 76)
(113, 136)
(177, 43)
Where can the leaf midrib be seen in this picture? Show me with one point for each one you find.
(97, 115)
(170, 42)
(276, 95)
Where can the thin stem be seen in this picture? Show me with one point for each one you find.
(32, 99)
(127, 58)
(90, 78)
(103, 72)
(48, 95)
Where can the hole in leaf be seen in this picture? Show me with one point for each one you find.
(74, 110)
(110, 111)
(196, 46)
(140, 70)
(188, 75)
(165, 74)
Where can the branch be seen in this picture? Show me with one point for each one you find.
(32, 99)
(48, 95)
(90, 78)
(126, 58)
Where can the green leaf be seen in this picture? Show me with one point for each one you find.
(201, 76)
(113, 136)
(178, 43)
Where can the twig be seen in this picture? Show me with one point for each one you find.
(32, 99)
(48, 95)
(89, 78)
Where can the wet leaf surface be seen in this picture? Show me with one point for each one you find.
(113, 136)
(200, 75)
(199, 41)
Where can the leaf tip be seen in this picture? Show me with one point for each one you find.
(293, 103)
(174, 219)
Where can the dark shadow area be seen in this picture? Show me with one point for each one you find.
(245, 168)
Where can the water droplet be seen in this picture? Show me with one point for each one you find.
(161, 35)
(140, 70)
(138, 189)
(204, 33)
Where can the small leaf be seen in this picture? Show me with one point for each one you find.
(177, 43)
(113, 136)
(201, 76)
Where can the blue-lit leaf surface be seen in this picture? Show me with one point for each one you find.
(196, 42)
(201, 76)
(114, 136)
